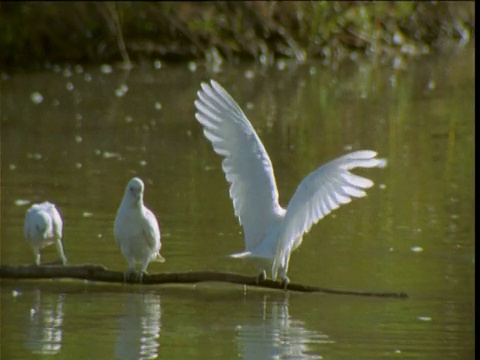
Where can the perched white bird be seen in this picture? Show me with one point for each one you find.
(43, 227)
(136, 230)
(272, 232)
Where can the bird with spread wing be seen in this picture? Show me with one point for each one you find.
(270, 231)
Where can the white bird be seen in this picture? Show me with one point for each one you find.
(43, 227)
(136, 230)
(270, 231)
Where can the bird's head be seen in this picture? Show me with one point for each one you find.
(134, 190)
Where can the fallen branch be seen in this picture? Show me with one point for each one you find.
(100, 273)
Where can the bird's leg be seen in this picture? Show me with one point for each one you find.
(130, 274)
(261, 277)
(58, 244)
(140, 276)
(127, 275)
(143, 269)
(36, 253)
(284, 277)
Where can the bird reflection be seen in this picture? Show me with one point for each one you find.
(139, 327)
(277, 336)
(44, 331)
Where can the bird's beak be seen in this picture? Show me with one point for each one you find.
(135, 193)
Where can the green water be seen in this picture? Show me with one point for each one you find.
(414, 232)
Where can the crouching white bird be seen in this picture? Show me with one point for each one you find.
(270, 231)
(136, 230)
(43, 227)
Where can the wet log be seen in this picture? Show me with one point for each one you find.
(100, 273)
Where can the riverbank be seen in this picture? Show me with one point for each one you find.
(38, 34)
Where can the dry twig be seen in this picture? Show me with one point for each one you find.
(100, 273)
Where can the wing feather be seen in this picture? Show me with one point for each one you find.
(150, 230)
(321, 192)
(246, 164)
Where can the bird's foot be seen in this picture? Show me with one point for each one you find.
(285, 282)
(130, 276)
(261, 277)
(140, 276)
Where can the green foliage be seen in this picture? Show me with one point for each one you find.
(34, 33)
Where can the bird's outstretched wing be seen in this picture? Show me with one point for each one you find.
(246, 165)
(321, 192)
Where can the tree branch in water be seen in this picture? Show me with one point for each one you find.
(100, 273)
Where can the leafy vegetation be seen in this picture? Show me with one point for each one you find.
(36, 33)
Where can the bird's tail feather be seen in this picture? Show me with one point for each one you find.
(159, 258)
(241, 255)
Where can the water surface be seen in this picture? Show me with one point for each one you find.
(75, 136)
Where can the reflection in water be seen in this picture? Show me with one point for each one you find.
(53, 148)
(44, 333)
(139, 327)
(277, 335)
